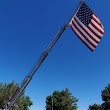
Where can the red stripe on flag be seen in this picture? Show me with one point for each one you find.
(81, 39)
(83, 35)
(94, 32)
(86, 31)
(96, 28)
(99, 23)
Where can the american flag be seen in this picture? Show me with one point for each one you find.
(87, 26)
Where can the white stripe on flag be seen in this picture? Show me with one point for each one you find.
(95, 37)
(97, 19)
(82, 38)
(85, 34)
(97, 25)
(96, 31)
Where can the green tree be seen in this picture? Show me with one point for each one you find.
(106, 100)
(61, 101)
(94, 107)
(6, 90)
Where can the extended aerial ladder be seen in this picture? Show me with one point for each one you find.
(28, 78)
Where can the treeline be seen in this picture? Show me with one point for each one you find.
(59, 100)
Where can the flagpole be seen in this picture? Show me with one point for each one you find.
(28, 78)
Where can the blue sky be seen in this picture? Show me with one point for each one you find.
(26, 29)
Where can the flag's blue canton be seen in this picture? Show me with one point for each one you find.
(84, 14)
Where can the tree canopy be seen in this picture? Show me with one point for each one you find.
(106, 100)
(61, 101)
(94, 107)
(6, 90)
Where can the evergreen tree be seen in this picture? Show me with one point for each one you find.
(106, 100)
(61, 101)
(94, 107)
(6, 90)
